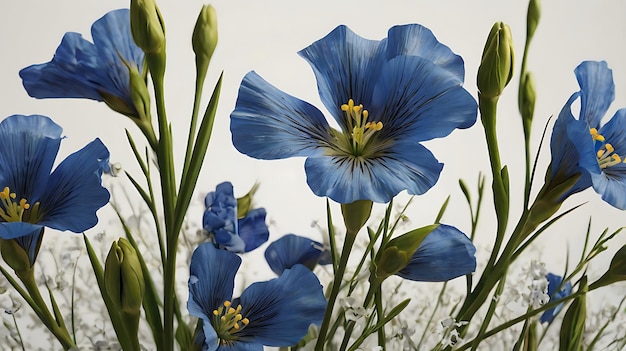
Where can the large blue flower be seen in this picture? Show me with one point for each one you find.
(81, 69)
(554, 281)
(31, 197)
(275, 313)
(387, 97)
(227, 230)
(445, 253)
(292, 249)
(587, 145)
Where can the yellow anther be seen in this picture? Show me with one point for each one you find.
(376, 126)
(231, 310)
(595, 135)
(13, 195)
(236, 326)
(600, 153)
(216, 312)
(227, 303)
(238, 317)
(223, 318)
(609, 147)
(245, 321)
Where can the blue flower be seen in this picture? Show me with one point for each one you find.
(445, 253)
(292, 249)
(275, 313)
(554, 281)
(81, 69)
(32, 197)
(387, 97)
(588, 147)
(227, 230)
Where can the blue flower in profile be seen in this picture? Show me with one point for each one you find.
(292, 249)
(554, 281)
(97, 71)
(590, 145)
(446, 253)
(228, 231)
(387, 97)
(33, 197)
(274, 313)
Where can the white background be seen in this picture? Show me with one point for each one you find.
(265, 36)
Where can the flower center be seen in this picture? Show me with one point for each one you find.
(362, 130)
(16, 211)
(228, 321)
(605, 152)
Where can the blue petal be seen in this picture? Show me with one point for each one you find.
(290, 250)
(414, 98)
(446, 253)
(597, 91)
(281, 310)
(29, 148)
(554, 281)
(241, 346)
(346, 66)
(31, 243)
(220, 218)
(211, 280)
(405, 165)
(13, 230)
(74, 191)
(269, 124)
(253, 230)
(417, 40)
(611, 182)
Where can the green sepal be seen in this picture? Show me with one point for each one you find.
(356, 214)
(244, 203)
(573, 325)
(616, 271)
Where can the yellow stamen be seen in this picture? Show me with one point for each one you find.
(228, 321)
(606, 154)
(12, 211)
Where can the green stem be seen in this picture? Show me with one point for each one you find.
(200, 76)
(341, 269)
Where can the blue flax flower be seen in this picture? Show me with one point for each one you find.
(387, 97)
(445, 253)
(227, 230)
(554, 281)
(31, 197)
(275, 313)
(81, 69)
(293, 249)
(589, 145)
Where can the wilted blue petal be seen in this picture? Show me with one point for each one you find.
(554, 281)
(253, 230)
(76, 191)
(220, 218)
(281, 310)
(269, 124)
(290, 250)
(446, 253)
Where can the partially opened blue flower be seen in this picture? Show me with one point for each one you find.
(591, 145)
(292, 249)
(227, 230)
(387, 97)
(32, 197)
(445, 253)
(81, 69)
(275, 313)
(554, 281)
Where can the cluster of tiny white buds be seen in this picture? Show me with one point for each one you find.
(449, 334)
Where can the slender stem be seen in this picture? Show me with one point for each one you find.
(341, 269)
(200, 76)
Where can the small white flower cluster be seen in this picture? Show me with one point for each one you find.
(448, 330)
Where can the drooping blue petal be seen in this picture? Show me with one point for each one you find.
(597, 91)
(346, 66)
(29, 148)
(290, 250)
(253, 230)
(554, 281)
(269, 124)
(74, 190)
(446, 253)
(211, 283)
(405, 165)
(220, 218)
(428, 103)
(280, 310)
(417, 40)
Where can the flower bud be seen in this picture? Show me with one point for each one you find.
(14, 255)
(527, 99)
(356, 214)
(147, 25)
(616, 271)
(496, 66)
(532, 18)
(204, 37)
(123, 277)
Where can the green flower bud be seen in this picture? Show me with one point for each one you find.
(532, 18)
(527, 97)
(123, 277)
(244, 203)
(573, 326)
(356, 214)
(147, 26)
(496, 66)
(397, 253)
(204, 37)
(14, 255)
(616, 271)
